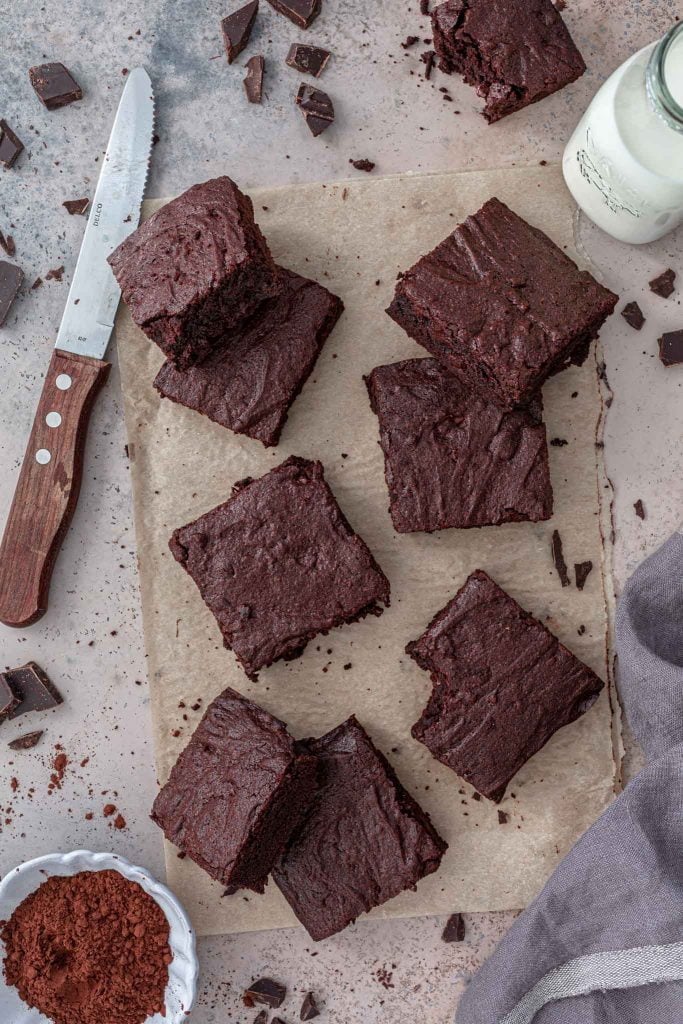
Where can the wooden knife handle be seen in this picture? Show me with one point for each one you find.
(49, 483)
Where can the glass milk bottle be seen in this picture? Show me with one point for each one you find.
(624, 162)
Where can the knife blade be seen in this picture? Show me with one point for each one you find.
(49, 482)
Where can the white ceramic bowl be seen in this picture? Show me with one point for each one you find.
(182, 979)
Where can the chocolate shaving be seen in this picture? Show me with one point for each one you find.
(429, 59)
(558, 559)
(633, 315)
(582, 571)
(26, 742)
(664, 284)
(454, 930)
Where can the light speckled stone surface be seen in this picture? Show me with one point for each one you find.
(90, 640)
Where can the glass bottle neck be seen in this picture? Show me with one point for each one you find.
(659, 78)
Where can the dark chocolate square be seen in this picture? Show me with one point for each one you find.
(451, 458)
(503, 684)
(500, 305)
(363, 841)
(278, 563)
(54, 85)
(249, 383)
(236, 792)
(514, 52)
(196, 268)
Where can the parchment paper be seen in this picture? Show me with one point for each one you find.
(354, 237)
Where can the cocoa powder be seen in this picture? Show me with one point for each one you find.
(89, 949)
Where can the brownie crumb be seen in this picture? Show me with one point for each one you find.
(582, 571)
(558, 559)
(76, 206)
(640, 509)
(503, 818)
(633, 315)
(55, 275)
(363, 165)
(410, 41)
(454, 930)
(664, 284)
(429, 59)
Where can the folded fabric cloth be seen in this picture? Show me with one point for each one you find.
(603, 942)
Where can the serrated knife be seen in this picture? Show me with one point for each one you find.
(50, 478)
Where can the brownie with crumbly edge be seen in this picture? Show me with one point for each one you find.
(500, 305)
(196, 268)
(514, 52)
(236, 792)
(363, 841)
(249, 383)
(503, 685)
(451, 458)
(278, 563)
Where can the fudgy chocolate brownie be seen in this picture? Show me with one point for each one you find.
(500, 305)
(249, 383)
(453, 459)
(278, 563)
(514, 52)
(363, 840)
(196, 268)
(503, 684)
(236, 792)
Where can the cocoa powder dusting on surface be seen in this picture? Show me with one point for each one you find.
(89, 949)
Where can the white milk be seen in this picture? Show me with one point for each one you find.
(624, 162)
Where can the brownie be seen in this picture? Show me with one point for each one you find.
(363, 841)
(500, 305)
(514, 52)
(278, 563)
(452, 459)
(250, 382)
(236, 792)
(197, 267)
(503, 684)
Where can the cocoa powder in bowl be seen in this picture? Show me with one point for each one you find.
(91, 948)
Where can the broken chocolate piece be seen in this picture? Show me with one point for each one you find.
(410, 41)
(10, 283)
(301, 12)
(664, 284)
(309, 60)
(558, 559)
(455, 929)
(76, 206)
(7, 243)
(253, 83)
(8, 698)
(503, 818)
(582, 571)
(671, 348)
(316, 107)
(261, 1017)
(428, 58)
(56, 274)
(33, 688)
(26, 742)
(640, 509)
(54, 85)
(267, 992)
(10, 145)
(363, 165)
(237, 29)
(633, 315)
(309, 1008)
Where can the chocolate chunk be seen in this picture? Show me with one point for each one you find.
(301, 12)
(316, 107)
(54, 85)
(33, 688)
(582, 571)
(8, 698)
(237, 29)
(455, 929)
(664, 284)
(671, 348)
(10, 283)
(253, 83)
(26, 742)
(640, 509)
(428, 58)
(410, 41)
(558, 559)
(73, 206)
(503, 818)
(309, 60)
(261, 1017)
(7, 243)
(363, 165)
(267, 992)
(633, 315)
(10, 145)
(309, 1008)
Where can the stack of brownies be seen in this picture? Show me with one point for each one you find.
(500, 307)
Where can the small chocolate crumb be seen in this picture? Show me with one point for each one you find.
(582, 571)
(558, 559)
(664, 284)
(55, 275)
(454, 930)
(119, 821)
(7, 243)
(36, 284)
(640, 509)
(559, 442)
(363, 165)
(410, 41)
(633, 315)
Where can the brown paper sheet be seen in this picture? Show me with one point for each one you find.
(354, 237)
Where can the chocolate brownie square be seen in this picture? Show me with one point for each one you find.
(503, 684)
(196, 268)
(514, 52)
(236, 792)
(278, 563)
(249, 383)
(363, 841)
(500, 305)
(452, 459)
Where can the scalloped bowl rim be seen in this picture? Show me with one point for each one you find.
(21, 881)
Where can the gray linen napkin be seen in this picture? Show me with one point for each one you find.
(603, 942)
